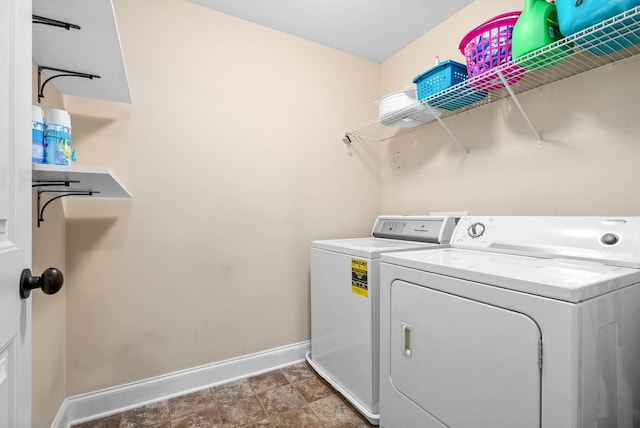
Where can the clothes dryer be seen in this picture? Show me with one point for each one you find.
(523, 322)
(345, 302)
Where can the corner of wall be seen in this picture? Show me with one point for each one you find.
(49, 312)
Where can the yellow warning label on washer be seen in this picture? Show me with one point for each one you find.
(359, 275)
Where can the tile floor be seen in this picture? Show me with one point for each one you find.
(291, 397)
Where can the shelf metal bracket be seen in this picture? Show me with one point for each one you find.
(454, 138)
(64, 73)
(524, 114)
(446, 128)
(64, 183)
(53, 22)
(63, 193)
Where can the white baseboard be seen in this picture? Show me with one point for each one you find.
(98, 404)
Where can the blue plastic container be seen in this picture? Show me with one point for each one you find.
(58, 149)
(444, 75)
(37, 135)
(57, 138)
(37, 142)
(576, 15)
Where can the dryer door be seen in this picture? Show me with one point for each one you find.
(466, 363)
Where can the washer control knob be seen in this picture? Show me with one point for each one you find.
(609, 239)
(476, 230)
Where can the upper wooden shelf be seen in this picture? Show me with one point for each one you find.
(93, 49)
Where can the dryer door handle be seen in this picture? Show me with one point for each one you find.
(406, 339)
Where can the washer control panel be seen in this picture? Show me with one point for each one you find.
(434, 229)
(609, 240)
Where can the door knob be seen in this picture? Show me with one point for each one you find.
(50, 282)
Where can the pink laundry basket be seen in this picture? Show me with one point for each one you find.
(488, 46)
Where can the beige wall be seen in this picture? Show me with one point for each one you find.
(586, 167)
(232, 152)
(48, 319)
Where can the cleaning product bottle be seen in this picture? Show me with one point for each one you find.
(536, 27)
(57, 138)
(37, 135)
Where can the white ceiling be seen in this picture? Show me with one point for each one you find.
(371, 29)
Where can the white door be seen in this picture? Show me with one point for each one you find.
(465, 363)
(15, 212)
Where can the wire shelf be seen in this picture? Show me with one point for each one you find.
(610, 41)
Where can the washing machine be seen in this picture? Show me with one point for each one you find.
(523, 322)
(345, 302)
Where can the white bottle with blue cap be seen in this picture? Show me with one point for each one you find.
(37, 135)
(57, 136)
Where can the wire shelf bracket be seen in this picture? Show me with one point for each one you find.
(63, 73)
(63, 193)
(36, 19)
(517, 103)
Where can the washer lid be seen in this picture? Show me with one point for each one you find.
(561, 279)
(370, 247)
